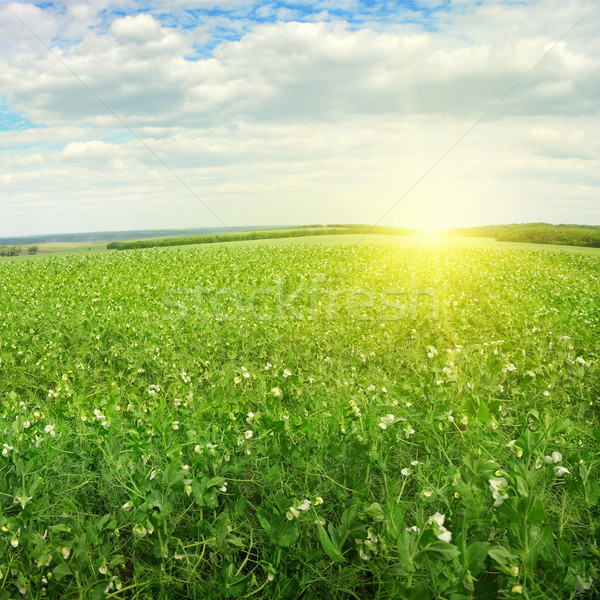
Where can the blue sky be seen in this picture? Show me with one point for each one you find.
(123, 115)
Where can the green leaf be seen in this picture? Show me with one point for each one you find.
(61, 571)
(263, 519)
(375, 512)
(406, 544)
(475, 555)
(215, 482)
(483, 413)
(328, 546)
(198, 488)
(442, 550)
(285, 533)
(501, 555)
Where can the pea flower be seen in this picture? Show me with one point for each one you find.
(498, 487)
(6, 449)
(22, 500)
(385, 421)
(555, 458)
(441, 532)
(292, 513)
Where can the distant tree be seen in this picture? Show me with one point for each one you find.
(14, 250)
(3, 250)
(33, 250)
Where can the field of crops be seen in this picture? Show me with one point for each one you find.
(300, 421)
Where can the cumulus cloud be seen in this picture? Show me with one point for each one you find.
(320, 114)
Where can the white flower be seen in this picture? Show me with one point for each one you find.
(197, 449)
(498, 487)
(249, 417)
(14, 542)
(128, 505)
(287, 373)
(318, 500)
(405, 472)
(292, 513)
(555, 458)
(276, 392)
(50, 429)
(385, 421)
(65, 551)
(223, 488)
(140, 530)
(248, 434)
(22, 500)
(304, 506)
(408, 431)
(441, 532)
(211, 447)
(428, 494)
(438, 519)
(560, 471)
(444, 535)
(6, 449)
(176, 425)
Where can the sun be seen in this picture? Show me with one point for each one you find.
(429, 230)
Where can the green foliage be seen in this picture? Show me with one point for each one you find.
(10, 250)
(538, 233)
(266, 234)
(300, 422)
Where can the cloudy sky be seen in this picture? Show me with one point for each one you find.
(119, 114)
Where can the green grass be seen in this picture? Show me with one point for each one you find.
(296, 420)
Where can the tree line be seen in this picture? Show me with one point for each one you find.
(16, 250)
(257, 235)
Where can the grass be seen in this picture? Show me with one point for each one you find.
(301, 420)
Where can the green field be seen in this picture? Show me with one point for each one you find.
(301, 419)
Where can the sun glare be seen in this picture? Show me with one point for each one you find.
(429, 230)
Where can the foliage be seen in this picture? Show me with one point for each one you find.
(300, 422)
(265, 234)
(538, 233)
(10, 250)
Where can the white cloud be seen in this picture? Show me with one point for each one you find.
(300, 120)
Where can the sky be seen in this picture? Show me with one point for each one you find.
(122, 114)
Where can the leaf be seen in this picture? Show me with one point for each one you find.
(483, 413)
(406, 545)
(61, 571)
(501, 555)
(232, 586)
(197, 490)
(215, 482)
(475, 555)
(536, 513)
(442, 550)
(263, 519)
(285, 533)
(328, 546)
(375, 512)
